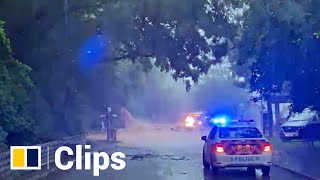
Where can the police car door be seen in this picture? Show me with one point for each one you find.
(210, 142)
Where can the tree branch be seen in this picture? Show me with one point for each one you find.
(128, 56)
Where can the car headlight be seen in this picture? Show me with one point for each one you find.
(189, 121)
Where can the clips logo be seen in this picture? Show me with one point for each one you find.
(25, 157)
(29, 158)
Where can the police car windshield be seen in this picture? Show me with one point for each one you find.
(239, 132)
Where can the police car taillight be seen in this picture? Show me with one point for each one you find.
(267, 147)
(218, 148)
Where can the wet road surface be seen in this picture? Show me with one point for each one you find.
(165, 155)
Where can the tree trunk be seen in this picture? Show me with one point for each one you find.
(270, 118)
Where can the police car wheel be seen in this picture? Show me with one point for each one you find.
(251, 171)
(204, 162)
(265, 170)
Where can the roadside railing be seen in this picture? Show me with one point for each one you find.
(6, 173)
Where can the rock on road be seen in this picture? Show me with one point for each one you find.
(161, 154)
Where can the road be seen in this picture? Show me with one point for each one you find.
(163, 154)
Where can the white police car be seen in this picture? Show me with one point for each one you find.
(237, 144)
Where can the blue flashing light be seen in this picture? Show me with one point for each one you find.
(216, 121)
(223, 120)
(220, 120)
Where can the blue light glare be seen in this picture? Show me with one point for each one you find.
(92, 52)
(216, 121)
(223, 120)
(220, 120)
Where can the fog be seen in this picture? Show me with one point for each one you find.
(153, 96)
(159, 98)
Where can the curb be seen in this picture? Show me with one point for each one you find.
(295, 172)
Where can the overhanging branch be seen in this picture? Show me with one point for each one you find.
(128, 56)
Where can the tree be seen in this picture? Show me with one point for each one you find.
(168, 31)
(16, 124)
(75, 47)
(64, 42)
(280, 44)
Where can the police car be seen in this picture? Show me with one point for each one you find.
(236, 144)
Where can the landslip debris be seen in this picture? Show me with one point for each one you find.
(140, 157)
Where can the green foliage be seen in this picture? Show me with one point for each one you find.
(48, 36)
(167, 31)
(15, 86)
(271, 42)
(282, 39)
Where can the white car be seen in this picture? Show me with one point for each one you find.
(236, 146)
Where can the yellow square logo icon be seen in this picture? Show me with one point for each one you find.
(25, 157)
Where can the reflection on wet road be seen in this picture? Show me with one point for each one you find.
(163, 155)
(236, 174)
